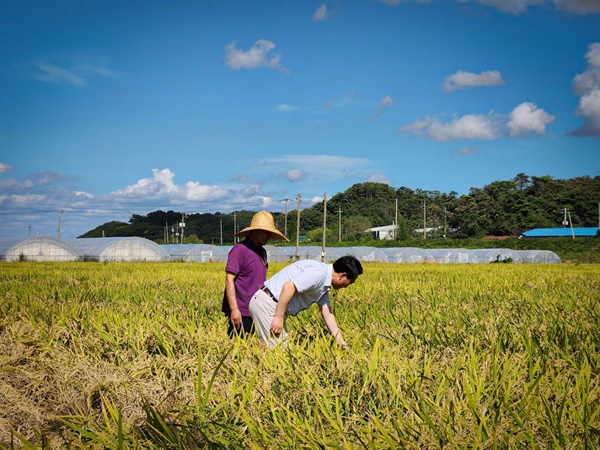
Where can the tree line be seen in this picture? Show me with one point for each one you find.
(501, 208)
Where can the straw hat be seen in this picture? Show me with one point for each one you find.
(263, 220)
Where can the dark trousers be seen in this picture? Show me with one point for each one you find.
(245, 330)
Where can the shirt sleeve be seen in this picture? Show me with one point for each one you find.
(234, 260)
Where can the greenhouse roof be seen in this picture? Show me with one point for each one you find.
(119, 248)
(37, 248)
(196, 252)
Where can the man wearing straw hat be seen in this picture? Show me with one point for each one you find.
(246, 271)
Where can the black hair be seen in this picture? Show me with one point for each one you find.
(348, 265)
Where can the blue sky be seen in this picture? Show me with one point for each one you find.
(116, 108)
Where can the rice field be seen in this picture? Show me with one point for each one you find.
(135, 356)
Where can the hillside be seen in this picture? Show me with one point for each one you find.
(501, 208)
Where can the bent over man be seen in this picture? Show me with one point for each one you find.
(294, 289)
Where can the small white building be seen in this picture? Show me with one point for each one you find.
(385, 232)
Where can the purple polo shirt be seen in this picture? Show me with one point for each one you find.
(249, 263)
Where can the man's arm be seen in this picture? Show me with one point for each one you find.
(288, 291)
(331, 323)
(236, 315)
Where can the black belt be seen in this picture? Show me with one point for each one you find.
(268, 292)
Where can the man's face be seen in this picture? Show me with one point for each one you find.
(260, 237)
(341, 280)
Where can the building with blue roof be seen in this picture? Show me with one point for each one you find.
(561, 232)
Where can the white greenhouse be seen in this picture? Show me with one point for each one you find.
(196, 252)
(490, 255)
(537, 256)
(450, 255)
(404, 254)
(276, 254)
(38, 248)
(304, 252)
(367, 254)
(119, 249)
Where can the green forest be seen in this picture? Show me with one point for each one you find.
(501, 208)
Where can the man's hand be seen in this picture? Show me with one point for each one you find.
(236, 318)
(339, 340)
(276, 326)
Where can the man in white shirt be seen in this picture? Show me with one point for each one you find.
(294, 289)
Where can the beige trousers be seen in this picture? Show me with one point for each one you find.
(262, 310)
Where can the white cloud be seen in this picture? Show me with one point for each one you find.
(37, 199)
(392, 2)
(24, 199)
(5, 168)
(47, 177)
(384, 104)
(259, 55)
(589, 110)
(345, 101)
(55, 74)
(294, 174)
(321, 13)
(517, 7)
(464, 80)
(587, 85)
(378, 178)
(252, 190)
(470, 151)
(161, 187)
(467, 127)
(77, 76)
(581, 7)
(319, 167)
(283, 107)
(44, 178)
(196, 192)
(527, 119)
(84, 195)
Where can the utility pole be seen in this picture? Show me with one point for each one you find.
(425, 220)
(324, 226)
(445, 225)
(182, 224)
(286, 200)
(60, 211)
(298, 226)
(221, 226)
(29, 230)
(339, 224)
(396, 222)
(571, 222)
(234, 227)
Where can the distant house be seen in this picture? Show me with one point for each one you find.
(386, 232)
(428, 231)
(561, 232)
